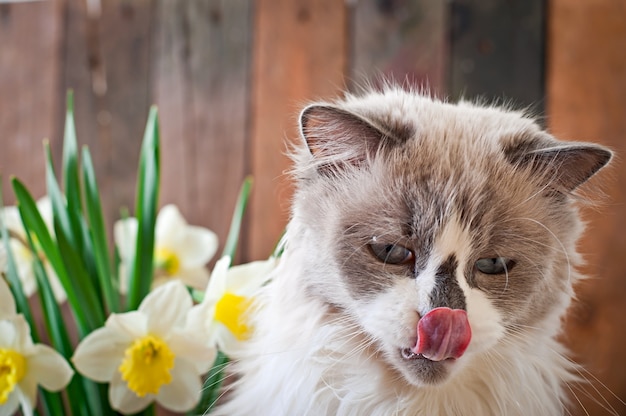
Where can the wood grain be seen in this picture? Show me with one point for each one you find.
(497, 50)
(300, 52)
(587, 101)
(405, 41)
(30, 66)
(202, 57)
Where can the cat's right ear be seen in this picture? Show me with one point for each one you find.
(337, 138)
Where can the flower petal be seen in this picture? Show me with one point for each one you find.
(170, 227)
(7, 303)
(8, 334)
(183, 393)
(185, 344)
(246, 279)
(125, 236)
(50, 368)
(27, 392)
(13, 221)
(197, 277)
(124, 400)
(166, 307)
(217, 283)
(9, 408)
(99, 355)
(131, 324)
(198, 247)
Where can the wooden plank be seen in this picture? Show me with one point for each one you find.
(121, 38)
(29, 90)
(586, 98)
(406, 41)
(107, 65)
(202, 60)
(299, 54)
(497, 50)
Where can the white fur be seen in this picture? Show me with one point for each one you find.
(302, 363)
(321, 348)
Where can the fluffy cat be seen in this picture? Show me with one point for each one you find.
(428, 262)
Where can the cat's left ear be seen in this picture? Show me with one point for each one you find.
(562, 165)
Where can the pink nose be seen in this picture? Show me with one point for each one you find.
(443, 333)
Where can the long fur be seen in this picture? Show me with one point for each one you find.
(320, 340)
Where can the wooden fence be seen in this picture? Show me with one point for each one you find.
(229, 77)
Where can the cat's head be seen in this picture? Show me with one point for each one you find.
(407, 204)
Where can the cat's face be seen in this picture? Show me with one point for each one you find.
(411, 205)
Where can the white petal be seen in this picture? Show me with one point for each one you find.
(7, 303)
(226, 341)
(125, 236)
(124, 400)
(184, 392)
(10, 407)
(99, 355)
(8, 335)
(55, 283)
(217, 282)
(199, 319)
(166, 307)
(44, 206)
(246, 279)
(131, 324)
(24, 341)
(12, 220)
(198, 277)
(170, 227)
(27, 392)
(187, 345)
(49, 367)
(197, 247)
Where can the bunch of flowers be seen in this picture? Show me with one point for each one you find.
(148, 323)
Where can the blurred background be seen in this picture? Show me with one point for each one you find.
(230, 76)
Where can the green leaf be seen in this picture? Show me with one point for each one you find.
(34, 224)
(230, 248)
(70, 244)
(57, 331)
(98, 234)
(15, 284)
(212, 385)
(71, 182)
(146, 212)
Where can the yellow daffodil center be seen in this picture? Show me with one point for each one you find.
(230, 310)
(147, 364)
(167, 260)
(12, 369)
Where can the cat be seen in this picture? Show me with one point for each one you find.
(429, 260)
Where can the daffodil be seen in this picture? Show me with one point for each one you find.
(22, 252)
(148, 355)
(228, 300)
(181, 251)
(23, 364)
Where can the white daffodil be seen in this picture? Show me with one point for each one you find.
(149, 354)
(227, 301)
(23, 364)
(22, 253)
(181, 251)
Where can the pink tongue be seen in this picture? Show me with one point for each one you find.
(443, 333)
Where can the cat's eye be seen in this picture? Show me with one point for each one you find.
(495, 265)
(391, 253)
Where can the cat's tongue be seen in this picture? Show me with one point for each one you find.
(443, 333)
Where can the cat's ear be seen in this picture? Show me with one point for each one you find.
(561, 165)
(337, 138)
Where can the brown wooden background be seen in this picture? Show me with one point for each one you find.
(229, 77)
